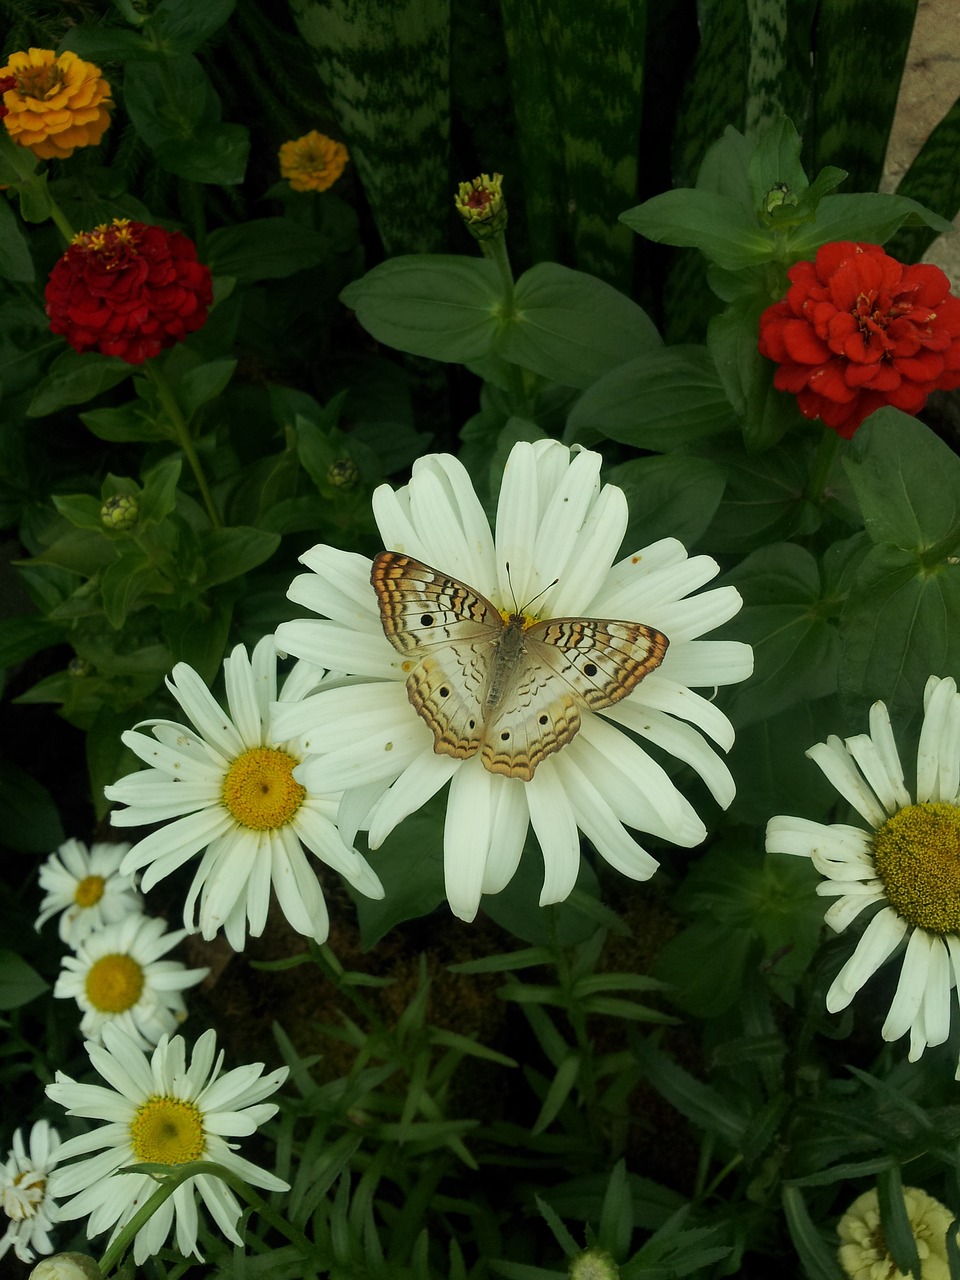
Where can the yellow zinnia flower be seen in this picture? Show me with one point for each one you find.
(57, 103)
(313, 162)
(864, 1254)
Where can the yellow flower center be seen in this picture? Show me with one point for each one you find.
(260, 791)
(167, 1131)
(917, 854)
(39, 82)
(89, 891)
(114, 983)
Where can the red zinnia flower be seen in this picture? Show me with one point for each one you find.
(859, 330)
(128, 290)
(6, 84)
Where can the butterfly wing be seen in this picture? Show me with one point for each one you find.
(447, 632)
(567, 663)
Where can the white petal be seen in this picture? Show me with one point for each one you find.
(877, 943)
(600, 824)
(704, 664)
(421, 780)
(508, 831)
(330, 644)
(204, 712)
(840, 771)
(915, 972)
(466, 837)
(555, 827)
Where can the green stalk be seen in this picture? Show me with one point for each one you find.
(181, 433)
(60, 221)
(114, 1254)
(827, 450)
(494, 250)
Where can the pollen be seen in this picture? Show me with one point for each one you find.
(917, 855)
(260, 791)
(114, 983)
(89, 891)
(167, 1131)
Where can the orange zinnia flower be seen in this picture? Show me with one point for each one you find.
(56, 103)
(313, 162)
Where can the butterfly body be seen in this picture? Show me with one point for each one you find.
(508, 687)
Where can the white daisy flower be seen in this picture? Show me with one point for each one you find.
(160, 1111)
(28, 1205)
(228, 784)
(86, 887)
(117, 976)
(906, 865)
(558, 532)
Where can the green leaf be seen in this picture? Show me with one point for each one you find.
(263, 249)
(666, 398)
(444, 307)
(21, 637)
(203, 384)
(676, 493)
(35, 201)
(123, 583)
(198, 634)
(17, 163)
(19, 982)
(934, 180)
(214, 152)
(84, 551)
(181, 26)
(98, 44)
(717, 225)
(28, 816)
(15, 260)
(900, 625)
(159, 495)
(410, 866)
(870, 216)
(687, 963)
(895, 1221)
(774, 774)
(701, 1104)
(572, 328)
(764, 500)
(227, 553)
(168, 101)
(128, 422)
(75, 378)
(892, 461)
(818, 1258)
(796, 650)
(764, 413)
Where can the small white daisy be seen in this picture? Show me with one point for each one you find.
(86, 887)
(907, 866)
(27, 1201)
(228, 785)
(558, 535)
(160, 1111)
(117, 976)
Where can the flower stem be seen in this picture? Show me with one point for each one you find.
(181, 433)
(59, 219)
(494, 250)
(827, 449)
(170, 1181)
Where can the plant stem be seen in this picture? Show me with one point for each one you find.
(181, 433)
(495, 250)
(59, 219)
(827, 450)
(114, 1254)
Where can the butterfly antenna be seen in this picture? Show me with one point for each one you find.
(540, 593)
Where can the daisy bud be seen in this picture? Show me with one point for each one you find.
(343, 474)
(481, 205)
(120, 513)
(66, 1266)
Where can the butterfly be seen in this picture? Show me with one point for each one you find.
(504, 686)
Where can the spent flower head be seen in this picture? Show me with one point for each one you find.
(29, 1207)
(904, 869)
